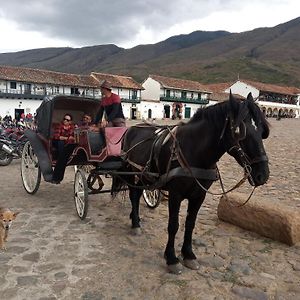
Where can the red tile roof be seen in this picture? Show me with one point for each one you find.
(222, 96)
(43, 77)
(180, 84)
(219, 87)
(118, 80)
(266, 87)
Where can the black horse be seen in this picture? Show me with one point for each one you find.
(182, 160)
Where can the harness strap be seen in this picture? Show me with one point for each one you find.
(159, 142)
(207, 174)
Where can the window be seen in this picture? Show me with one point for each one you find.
(168, 93)
(183, 95)
(13, 85)
(134, 94)
(75, 91)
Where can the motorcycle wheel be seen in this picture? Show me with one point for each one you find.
(5, 158)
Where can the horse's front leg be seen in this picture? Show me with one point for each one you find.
(189, 258)
(135, 195)
(173, 225)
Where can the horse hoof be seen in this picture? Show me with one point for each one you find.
(175, 269)
(136, 231)
(191, 264)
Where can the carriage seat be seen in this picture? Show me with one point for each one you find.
(96, 142)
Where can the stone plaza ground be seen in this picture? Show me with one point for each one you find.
(52, 254)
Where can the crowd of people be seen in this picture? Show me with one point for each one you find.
(23, 119)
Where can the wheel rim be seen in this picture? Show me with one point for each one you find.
(30, 171)
(151, 197)
(80, 193)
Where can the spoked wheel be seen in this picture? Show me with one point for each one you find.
(152, 198)
(30, 170)
(81, 194)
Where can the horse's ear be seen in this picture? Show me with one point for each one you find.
(250, 97)
(232, 103)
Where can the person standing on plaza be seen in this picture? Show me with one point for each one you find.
(110, 108)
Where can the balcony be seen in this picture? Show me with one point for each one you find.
(35, 96)
(16, 95)
(184, 100)
(131, 100)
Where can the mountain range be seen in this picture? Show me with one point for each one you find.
(270, 55)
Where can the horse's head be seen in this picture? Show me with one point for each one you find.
(245, 130)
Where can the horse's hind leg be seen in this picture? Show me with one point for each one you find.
(189, 258)
(135, 195)
(173, 225)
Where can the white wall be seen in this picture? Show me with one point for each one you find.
(151, 89)
(243, 89)
(8, 106)
(157, 109)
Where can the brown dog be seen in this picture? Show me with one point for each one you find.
(6, 218)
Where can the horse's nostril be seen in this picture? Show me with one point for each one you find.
(260, 179)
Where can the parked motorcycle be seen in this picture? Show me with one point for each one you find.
(6, 153)
(11, 145)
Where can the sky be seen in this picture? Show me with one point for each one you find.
(32, 24)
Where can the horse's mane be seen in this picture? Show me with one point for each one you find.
(217, 113)
(258, 116)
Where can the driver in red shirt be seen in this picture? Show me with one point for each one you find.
(111, 107)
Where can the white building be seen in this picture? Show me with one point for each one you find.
(23, 89)
(274, 100)
(165, 97)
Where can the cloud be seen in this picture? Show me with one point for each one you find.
(124, 22)
(98, 22)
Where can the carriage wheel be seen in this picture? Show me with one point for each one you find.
(30, 170)
(81, 194)
(152, 198)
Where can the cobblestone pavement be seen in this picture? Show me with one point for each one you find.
(52, 254)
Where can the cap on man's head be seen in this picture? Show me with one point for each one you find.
(106, 85)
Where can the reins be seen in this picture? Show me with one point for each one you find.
(247, 174)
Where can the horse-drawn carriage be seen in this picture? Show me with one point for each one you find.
(96, 153)
(179, 159)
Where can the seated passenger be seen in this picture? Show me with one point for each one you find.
(64, 142)
(86, 121)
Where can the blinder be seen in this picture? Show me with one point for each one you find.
(238, 131)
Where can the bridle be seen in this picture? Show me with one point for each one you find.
(238, 132)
